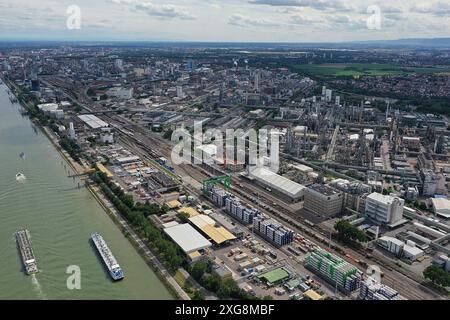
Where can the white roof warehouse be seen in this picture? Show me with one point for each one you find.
(441, 207)
(187, 238)
(291, 189)
(92, 121)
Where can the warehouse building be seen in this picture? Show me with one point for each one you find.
(323, 200)
(288, 189)
(441, 207)
(275, 276)
(93, 121)
(407, 250)
(187, 238)
(207, 226)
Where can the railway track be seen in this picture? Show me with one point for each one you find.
(408, 287)
(152, 148)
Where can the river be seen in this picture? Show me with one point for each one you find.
(60, 217)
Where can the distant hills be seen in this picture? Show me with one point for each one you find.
(410, 43)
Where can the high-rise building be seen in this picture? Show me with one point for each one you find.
(72, 134)
(384, 209)
(180, 93)
(35, 86)
(191, 65)
(118, 63)
(257, 81)
(429, 182)
(328, 95)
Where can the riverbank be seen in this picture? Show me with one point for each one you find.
(140, 246)
(124, 228)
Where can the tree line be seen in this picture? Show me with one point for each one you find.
(169, 253)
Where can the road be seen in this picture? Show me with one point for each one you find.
(141, 244)
(156, 146)
(264, 201)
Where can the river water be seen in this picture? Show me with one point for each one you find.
(60, 218)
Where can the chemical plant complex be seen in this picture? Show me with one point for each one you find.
(358, 208)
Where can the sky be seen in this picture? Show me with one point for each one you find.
(226, 20)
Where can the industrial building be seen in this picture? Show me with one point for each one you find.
(191, 212)
(291, 190)
(272, 230)
(406, 250)
(335, 270)
(412, 143)
(323, 200)
(207, 226)
(354, 194)
(429, 182)
(187, 238)
(441, 207)
(384, 209)
(217, 196)
(239, 211)
(275, 276)
(128, 160)
(443, 261)
(92, 121)
(233, 205)
(371, 289)
(51, 109)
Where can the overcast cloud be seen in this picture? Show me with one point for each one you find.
(226, 20)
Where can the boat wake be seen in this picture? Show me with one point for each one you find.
(37, 287)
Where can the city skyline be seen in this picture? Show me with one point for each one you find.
(233, 21)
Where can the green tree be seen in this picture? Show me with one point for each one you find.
(229, 289)
(353, 173)
(349, 232)
(168, 134)
(198, 295)
(184, 217)
(437, 275)
(211, 282)
(198, 270)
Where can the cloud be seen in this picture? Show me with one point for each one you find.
(435, 8)
(165, 11)
(346, 22)
(337, 5)
(300, 19)
(245, 21)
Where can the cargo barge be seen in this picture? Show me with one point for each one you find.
(26, 251)
(110, 261)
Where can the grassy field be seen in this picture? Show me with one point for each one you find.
(362, 69)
